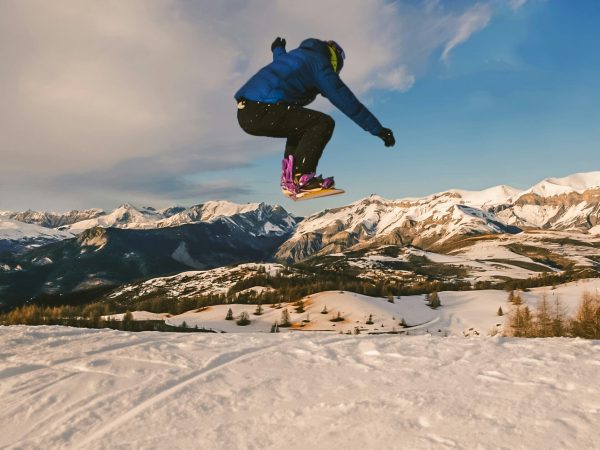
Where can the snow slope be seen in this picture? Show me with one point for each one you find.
(91, 389)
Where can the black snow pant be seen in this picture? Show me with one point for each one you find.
(307, 131)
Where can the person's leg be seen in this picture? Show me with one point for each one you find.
(308, 131)
(312, 131)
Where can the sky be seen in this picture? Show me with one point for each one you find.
(132, 101)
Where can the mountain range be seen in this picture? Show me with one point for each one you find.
(44, 253)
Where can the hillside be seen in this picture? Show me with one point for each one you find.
(463, 313)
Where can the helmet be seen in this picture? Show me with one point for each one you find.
(337, 55)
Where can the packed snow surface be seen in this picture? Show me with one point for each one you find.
(92, 389)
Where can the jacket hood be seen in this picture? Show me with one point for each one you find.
(315, 45)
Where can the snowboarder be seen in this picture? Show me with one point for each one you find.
(272, 103)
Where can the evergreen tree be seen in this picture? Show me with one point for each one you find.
(390, 298)
(324, 311)
(229, 315)
(370, 320)
(285, 319)
(500, 312)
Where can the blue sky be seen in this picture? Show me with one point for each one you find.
(132, 101)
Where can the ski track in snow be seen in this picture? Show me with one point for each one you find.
(102, 389)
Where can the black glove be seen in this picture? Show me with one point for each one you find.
(387, 136)
(279, 42)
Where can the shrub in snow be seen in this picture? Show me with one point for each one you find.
(370, 320)
(244, 319)
(259, 310)
(324, 311)
(391, 298)
(229, 315)
(337, 318)
(299, 306)
(403, 323)
(434, 300)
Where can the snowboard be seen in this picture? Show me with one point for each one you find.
(312, 194)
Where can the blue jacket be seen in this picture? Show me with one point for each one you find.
(298, 76)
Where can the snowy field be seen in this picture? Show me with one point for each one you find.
(89, 389)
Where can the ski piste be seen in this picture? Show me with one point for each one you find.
(311, 194)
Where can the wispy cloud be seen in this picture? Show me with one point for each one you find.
(516, 4)
(471, 21)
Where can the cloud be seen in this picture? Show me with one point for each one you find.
(471, 21)
(94, 91)
(516, 4)
(397, 79)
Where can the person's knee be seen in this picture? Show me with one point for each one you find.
(328, 123)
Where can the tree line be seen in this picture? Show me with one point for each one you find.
(549, 318)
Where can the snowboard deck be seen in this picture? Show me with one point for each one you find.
(313, 194)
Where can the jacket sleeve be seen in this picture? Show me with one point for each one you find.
(277, 52)
(332, 87)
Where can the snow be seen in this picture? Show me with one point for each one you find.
(496, 195)
(92, 389)
(125, 216)
(214, 209)
(578, 182)
(15, 230)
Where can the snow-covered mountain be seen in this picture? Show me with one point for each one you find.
(567, 203)
(15, 235)
(53, 219)
(128, 216)
(436, 221)
(373, 221)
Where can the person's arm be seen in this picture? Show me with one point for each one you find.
(332, 87)
(278, 48)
